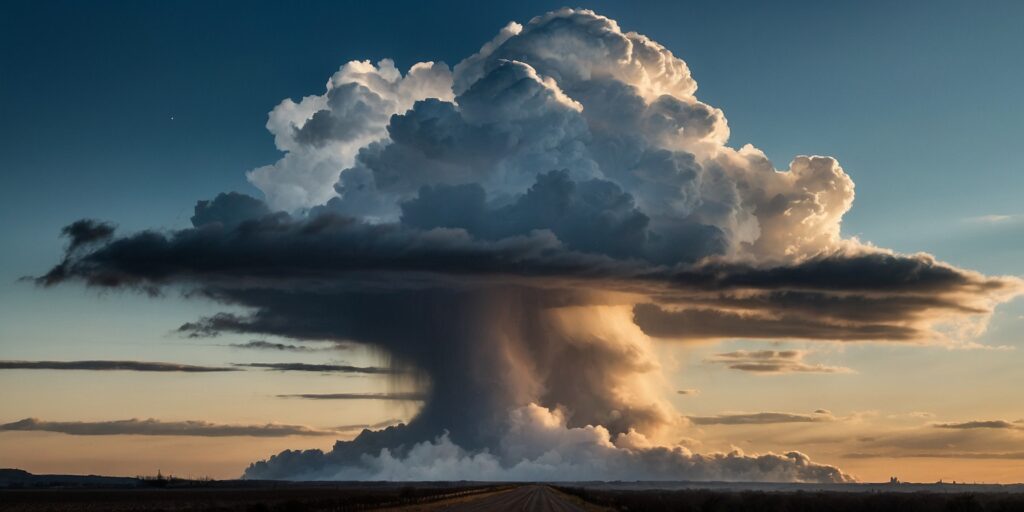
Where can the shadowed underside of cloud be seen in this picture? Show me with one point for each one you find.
(772, 362)
(135, 366)
(893, 297)
(321, 368)
(760, 418)
(897, 298)
(514, 229)
(152, 427)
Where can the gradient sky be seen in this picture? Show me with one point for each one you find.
(131, 111)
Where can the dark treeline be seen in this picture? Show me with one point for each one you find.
(727, 501)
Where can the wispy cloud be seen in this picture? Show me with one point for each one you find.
(1001, 424)
(772, 362)
(762, 418)
(322, 368)
(359, 396)
(134, 366)
(267, 345)
(370, 426)
(994, 219)
(153, 427)
(976, 439)
(688, 392)
(938, 455)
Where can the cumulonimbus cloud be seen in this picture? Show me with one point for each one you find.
(152, 427)
(772, 362)
(134, 366)
(517, 229)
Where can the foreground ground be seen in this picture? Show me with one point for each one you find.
(540, 498)
(258, 497)
(468, 497)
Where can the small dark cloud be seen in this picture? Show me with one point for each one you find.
(152, 427)
(411, 397)
(689, 392)
(322, 368)
(369, 426)
(80, 233)
(134, 366)
(970, 439)
(267, 345)
(209, 327)
(87, 231)
(772, 362)
(760, 418)
(980, 424)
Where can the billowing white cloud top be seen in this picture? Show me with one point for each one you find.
(569, 91)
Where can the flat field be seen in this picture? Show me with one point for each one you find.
(245, 496)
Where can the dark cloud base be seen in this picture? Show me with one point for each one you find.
(888, 299)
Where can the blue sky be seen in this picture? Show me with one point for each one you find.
(132, 111)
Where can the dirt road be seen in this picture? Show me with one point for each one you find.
(539, 498)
